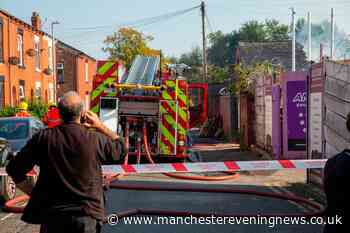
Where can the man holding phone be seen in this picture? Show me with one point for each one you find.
(68, 196)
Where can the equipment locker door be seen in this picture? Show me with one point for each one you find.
(168, 127)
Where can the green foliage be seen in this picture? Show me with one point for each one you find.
(37, 109)
(192, 58)
(221, 51)
(244, 74)
(125, 44)
(222, 48)
(252, 31)
(7, 111)
(218, 74)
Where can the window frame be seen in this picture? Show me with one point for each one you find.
(37, 62)
(37, 90)
(2, 92)
(49, 54)
(21, 86)
(51, 92)
(86, 71)
(60, 68)
(20, 46)
(1, 40)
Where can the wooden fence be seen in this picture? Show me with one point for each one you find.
(336, 108)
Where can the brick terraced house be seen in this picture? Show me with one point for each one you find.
(26, 63)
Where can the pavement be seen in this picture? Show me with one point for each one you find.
(282, 181)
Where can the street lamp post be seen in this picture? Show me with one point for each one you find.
(53, 60)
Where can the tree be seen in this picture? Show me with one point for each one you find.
(221, 51)
(276, 31)
(222, 47)
(218, 74)
(192, 58)
(125, 44)
(252, 31)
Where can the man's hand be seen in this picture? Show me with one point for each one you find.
(92, 121)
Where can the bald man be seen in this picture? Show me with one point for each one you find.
(68, 196)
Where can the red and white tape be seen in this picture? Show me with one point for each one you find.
(210, 166)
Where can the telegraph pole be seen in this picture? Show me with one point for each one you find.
(309, 47)
(204, 38)
(293, 39)
(332, 34)
(53, 55)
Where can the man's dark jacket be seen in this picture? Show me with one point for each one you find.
(70, 180)
(337, 189)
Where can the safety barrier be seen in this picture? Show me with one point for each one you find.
(227, 166)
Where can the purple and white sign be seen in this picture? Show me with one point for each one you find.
(296, 112)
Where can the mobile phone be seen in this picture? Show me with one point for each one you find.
(83, 119)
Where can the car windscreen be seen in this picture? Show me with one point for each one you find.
(14, 129)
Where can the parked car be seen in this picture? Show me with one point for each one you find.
(14, 134)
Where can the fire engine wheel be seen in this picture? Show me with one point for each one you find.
(8, 188)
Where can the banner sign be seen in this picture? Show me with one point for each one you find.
(296, 110)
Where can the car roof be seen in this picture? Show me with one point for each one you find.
(17, 118)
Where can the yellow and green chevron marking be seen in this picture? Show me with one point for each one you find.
(173, 115)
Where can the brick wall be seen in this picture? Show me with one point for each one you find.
(78, 71)
(29, 74)
(67, 81)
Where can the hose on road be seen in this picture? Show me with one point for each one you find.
(184, 177)
(12, 205)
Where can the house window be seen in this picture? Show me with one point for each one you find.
(51, 97)
(49, 54)
(20, 47)
(37, 52)
(60, 73)
(86, 71)
(21, 90)
(37, 90)
(2, 92)
(1, 41)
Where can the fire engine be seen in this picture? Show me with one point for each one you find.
(151, 107)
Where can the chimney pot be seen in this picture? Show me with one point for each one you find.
(36, 21)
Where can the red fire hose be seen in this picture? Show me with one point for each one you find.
(12, 205)
(184, 177)
(318, 209)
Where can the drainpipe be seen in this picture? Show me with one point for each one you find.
(9, 55)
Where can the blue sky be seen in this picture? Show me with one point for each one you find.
(174, 36)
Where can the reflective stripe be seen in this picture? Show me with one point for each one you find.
(171, 120)
(103, 69)
(163, 148)
(95, 108)
(166, 96)
(98, 90)
(167, 134)
(181, 96)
